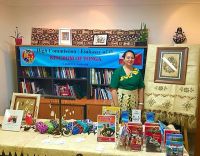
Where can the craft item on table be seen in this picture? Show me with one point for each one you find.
(136, 115)
(50, 127)
(150, 117)
(54, 123)
(76, 130)
(29, 119)
(66, 132)
(91, 126)
(125, 116)
(84, 125)
(64, 122)
(41, 127)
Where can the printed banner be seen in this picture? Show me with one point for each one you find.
(83, 57)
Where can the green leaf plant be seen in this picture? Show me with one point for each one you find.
(17, 34)
(143, 33)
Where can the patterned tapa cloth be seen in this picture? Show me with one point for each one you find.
(84, 37)
(127, 99)
(171, 102)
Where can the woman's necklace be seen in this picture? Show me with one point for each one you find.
(128, 70)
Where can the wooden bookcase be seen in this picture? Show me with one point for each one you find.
(45, 80)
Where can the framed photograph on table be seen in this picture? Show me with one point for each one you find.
(171, 65)
(12, 120)
(100, 39)
(29, 103)
(65, 36)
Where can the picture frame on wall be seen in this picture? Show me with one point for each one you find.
(100, 39)
(12, 120)
(171, 65)
(65, 36)
(29, 103)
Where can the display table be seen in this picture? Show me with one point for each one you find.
(33, 143)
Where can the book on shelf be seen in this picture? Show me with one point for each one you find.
(34, 72)
(100, 76)
(101, 93)
(106, 128)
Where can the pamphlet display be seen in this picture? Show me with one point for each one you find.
(106, 128)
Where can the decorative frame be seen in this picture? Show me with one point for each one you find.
(12, 120)
(65, 36)
(171, 65)
(27, 102)
(100, 39)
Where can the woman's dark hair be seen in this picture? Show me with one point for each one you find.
(127, 52)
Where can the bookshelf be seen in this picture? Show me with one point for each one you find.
(81, 87)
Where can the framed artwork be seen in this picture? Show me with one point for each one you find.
(171, 65)
(12, 120)
(100, 39)
(29, 103)
(65, 37)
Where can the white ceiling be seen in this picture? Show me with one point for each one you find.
(94, 2)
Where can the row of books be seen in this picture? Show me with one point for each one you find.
(65, 73)
(101, 93)
(39, 72)
(28, 87)
(100, 76)
(64, 90)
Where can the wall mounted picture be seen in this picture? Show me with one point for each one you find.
(12, 120)
(171, 65)
(100, 39)
(29, 103)
(65, 37)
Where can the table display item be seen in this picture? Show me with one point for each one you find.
(150, 116)
(136, 115)
(135, 136)
(12, 120)
(125, 116)
(29, 103)
(153, 137)
(174, 145)
(106, 128)
(111, 110)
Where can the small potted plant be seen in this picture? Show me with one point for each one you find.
(18, 37)
(143, 36)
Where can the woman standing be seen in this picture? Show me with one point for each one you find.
(127, 85)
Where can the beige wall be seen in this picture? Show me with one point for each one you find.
(162, 21)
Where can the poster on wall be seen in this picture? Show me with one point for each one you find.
(171, 65)
(83, 57)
